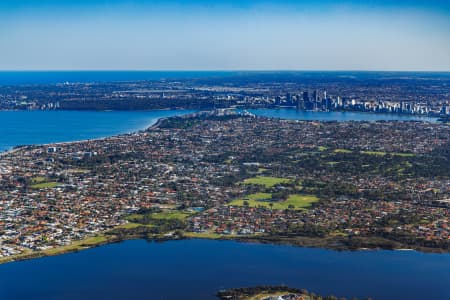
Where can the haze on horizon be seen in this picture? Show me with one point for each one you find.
(410, 35)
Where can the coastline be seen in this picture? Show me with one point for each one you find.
(160, 119)
(155, 122)
(327, 243)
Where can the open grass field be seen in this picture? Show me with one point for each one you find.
(77, 170)
(268, 182)
(297, 201)
(342, 151)
(38, 179)
(45, 185)
(380, 153)
(259, 196)
(78, 245)
(132, 225)
(301, 201)
(171, 215)
(164, 215)
(203, 235)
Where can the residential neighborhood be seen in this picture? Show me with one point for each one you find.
(234, 174)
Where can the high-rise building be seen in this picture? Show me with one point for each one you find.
(289, 99)
(315, 96)
(305, 96)
(277, 100)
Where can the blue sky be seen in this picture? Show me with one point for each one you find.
(224, 35)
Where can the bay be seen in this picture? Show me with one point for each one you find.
(42, 127)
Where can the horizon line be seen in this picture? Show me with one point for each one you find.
(227, 70)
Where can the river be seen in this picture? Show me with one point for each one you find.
(196, 269)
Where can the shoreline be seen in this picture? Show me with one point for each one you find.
(403, 116)
(133, 131)
(433, 118)
(108, 238)
(3, 152)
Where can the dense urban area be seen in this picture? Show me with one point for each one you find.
(385, 92)
(222, 174)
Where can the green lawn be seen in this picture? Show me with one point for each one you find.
(164, 215)
(132, 225)
(171, 215)
(45, 185)
(378, 153)
(77, 245)
(342, 151)
(256, 200)
(203, 235)
(381, 153)
(268, 182)
(77, 170)
(38, 179)
(299, 201)
(259, 196)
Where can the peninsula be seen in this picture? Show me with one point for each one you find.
(226, 175)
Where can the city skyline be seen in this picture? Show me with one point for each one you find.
(236, 35)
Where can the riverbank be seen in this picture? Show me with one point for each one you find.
(137, 232)
(330, 243)
(76, 246)
(342, 243)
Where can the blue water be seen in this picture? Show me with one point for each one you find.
(40, 127)
(196, 269)
(51, 77)
(293, 114)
